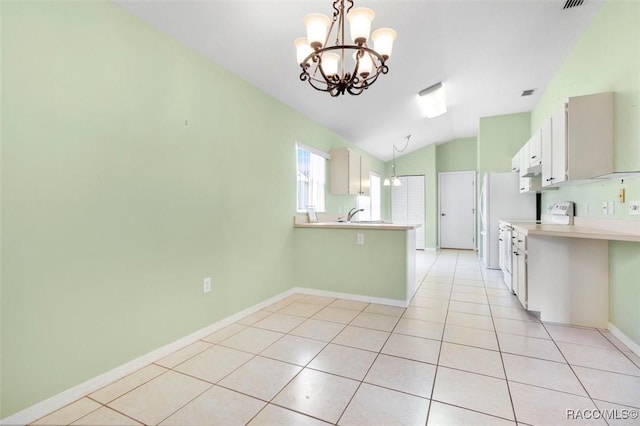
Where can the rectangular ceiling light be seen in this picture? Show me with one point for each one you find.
(433, 101)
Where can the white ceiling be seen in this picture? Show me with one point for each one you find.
(485, 51)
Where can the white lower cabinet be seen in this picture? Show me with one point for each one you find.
(568, 280)
(519, 267)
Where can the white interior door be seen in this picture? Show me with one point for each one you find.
(457, 212)
(407, 205)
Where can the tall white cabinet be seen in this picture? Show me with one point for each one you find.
(407, 205)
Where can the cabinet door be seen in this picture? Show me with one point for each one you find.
(339, 171)
(515, 162)
(514, 263)
(354, 173)
(558, 147)
(522, 278)
(524, 164)
(364, 176)
(524, 159)
(535, 149)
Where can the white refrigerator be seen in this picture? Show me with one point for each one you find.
(501, 199)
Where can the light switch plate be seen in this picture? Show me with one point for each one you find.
(634, 208)
(611, 208)
(360, 238)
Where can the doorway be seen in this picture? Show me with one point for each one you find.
(457, 209)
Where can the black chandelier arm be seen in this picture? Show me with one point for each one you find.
(319, 52)
(336, 9)
(350, 6)
(339, 84)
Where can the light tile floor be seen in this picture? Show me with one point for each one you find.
(464, 352)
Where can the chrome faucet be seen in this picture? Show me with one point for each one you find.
(352, 213)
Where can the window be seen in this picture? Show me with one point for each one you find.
(311, 168)
(370, 204)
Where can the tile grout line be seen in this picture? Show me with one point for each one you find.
(504, 370)
(435, 374)
(571, 367)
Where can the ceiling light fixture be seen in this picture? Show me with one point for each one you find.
(433, 100)
(394, 180)
(324, 66)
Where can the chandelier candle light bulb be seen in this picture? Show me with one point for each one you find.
(360, 21)
(365, 65)
(317, 25)
(302, 49)
(320, 61)
(383, 41)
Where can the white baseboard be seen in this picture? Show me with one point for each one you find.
(41, 409)
(349, 296)
(624, 339)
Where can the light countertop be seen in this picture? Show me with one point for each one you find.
(356, 225)
(592, 229)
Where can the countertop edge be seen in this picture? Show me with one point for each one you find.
(572, 231)
(373, 226)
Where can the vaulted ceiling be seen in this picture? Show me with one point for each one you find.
(487, 52)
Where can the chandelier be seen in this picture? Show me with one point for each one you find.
(325, 66)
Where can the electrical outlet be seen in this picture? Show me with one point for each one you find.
(206, 285)
(611, 207)
(605, 208)
(634, 208)
(359, 238)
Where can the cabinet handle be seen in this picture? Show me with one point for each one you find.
(521, 189)
(500, 239)
(513, 169)
(548, 180)
(516, 253)
(534, 156)
(519, 241)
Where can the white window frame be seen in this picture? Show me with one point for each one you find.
(320, 180)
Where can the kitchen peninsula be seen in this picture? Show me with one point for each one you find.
(370, 261)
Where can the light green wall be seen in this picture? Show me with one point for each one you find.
(607, 58)
(499, 138)
(132, 168)
(330, 259)
(458, 155)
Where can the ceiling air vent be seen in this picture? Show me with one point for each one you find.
(572, 3)
(528, 92)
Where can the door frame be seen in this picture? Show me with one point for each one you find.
(474, 176)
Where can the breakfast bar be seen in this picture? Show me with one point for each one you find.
(371, 261)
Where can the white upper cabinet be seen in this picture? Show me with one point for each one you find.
(581, 145)
(349, 172)
(515, 162)
(527, 184)
(535, 149)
